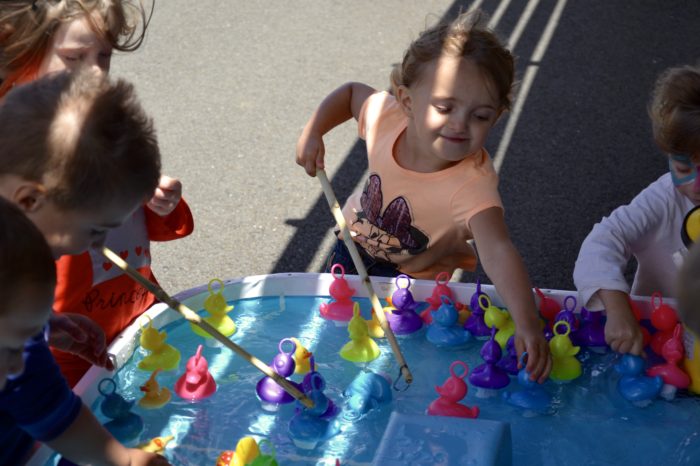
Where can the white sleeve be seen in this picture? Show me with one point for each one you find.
(610, 245)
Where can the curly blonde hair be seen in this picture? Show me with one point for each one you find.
(464, 37)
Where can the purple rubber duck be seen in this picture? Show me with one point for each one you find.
(271, 394)
(591, 332)
(488, 377)
(475, 323)
(567, 314)
(404, 320)
(509, 361)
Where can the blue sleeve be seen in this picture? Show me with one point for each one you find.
(40, 401)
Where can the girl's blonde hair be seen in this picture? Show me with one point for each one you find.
(464, 37)
(27, 28)
(675, 110)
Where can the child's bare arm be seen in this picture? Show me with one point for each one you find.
(338, 107)
(87, 442)
(504, 266)
(622, 330)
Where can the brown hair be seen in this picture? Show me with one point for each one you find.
(675, 110)
(27, 28)
(463, 37)
(25, 258)
(84, 136)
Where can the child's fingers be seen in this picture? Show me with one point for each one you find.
(167, 183)
(637, 346)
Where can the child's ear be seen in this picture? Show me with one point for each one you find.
(403, 97)
(29, 196)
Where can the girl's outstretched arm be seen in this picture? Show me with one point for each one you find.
(506, 270)
(338, 107)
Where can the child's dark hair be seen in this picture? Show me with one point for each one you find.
(25, 258)
(675, 110)
(464, 37)
(84, 137)
(27, 28)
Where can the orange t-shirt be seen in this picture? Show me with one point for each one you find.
(90, 285)
(417, 221)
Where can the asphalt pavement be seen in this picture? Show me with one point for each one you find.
(230, 85)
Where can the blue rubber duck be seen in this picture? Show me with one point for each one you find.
(533, 398)
(634, 386)
(445, 330)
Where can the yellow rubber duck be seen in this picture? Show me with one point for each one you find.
(374, 327)
(216, 306)
(499, 318)
(360, 348)
(246, 451)
(154, 396)
(302, 358)
(163, 356)
(565, 366)
(156, 445)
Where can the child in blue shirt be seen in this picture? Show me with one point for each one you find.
(54, 132)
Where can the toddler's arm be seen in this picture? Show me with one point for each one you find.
(338, 107)
(622, 330)
(504, 266)
(87, 442)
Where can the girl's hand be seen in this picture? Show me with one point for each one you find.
(166, 197)
(622, 332)
(310, 151)
(79, 335)
(539, 361)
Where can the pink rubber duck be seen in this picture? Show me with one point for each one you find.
(451, 392)
(664, 320)
(341, 308)
(196, 383)
(441, 289)
(673, 376)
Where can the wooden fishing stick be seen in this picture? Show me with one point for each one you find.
(362, 271)
(194, 318)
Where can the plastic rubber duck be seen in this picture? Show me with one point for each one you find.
(360, 348)
(445, 331)
(266, 456)
(591, 331)
(154, 396)
(403, 319)
(509, 360)
(566, 314)
(565, 366)
(196, 383)
(374, 327)
(302, 358)
(646, 336)
(246, 451)
(634, 386)
(366, 391)
(311, 426)
(342, 307)
(488, 377)
(441, 289)
(673, 376)
(156, 444)
(499, 318)
(475, 323)
(452, 391)
(124, 424)
(162, 355)
(664, 320)
(532, 397)
(548, 307)
(270, 393)
(313, 386)
(216, 306)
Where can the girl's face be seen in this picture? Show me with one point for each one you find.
(684, 171)
(21, 319)
(451, 111)
(75, 44)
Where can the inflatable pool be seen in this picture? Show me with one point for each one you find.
(587, 420)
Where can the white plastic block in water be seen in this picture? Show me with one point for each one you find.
(429, 440)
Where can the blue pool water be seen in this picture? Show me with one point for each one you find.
(591, 423)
